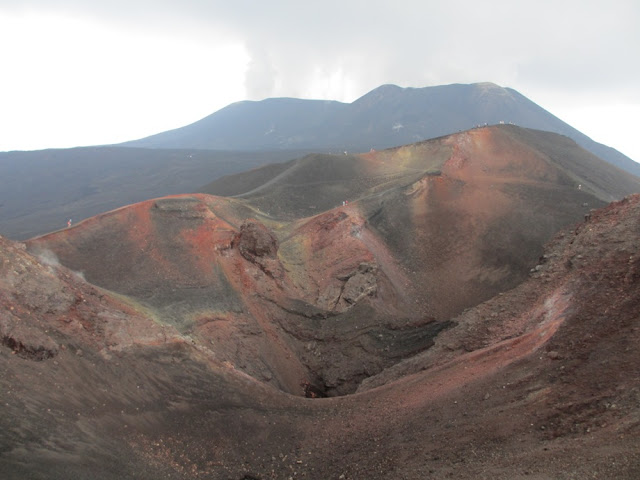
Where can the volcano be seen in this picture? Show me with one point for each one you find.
(385, 117)
(41, 190)
(393, 314)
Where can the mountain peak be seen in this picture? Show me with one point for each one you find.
(487, 86)
(386, 116)
(380, 93)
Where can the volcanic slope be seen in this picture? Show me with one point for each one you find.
(540, 382)
(326, 301)
(463, 216)
(41, 190)
(385, 117)
(91, 180)
(196, 265)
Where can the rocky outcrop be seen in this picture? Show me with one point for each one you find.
(352, 287)
(25, 340)
(255, 240)
(360, 284)
(257, 244)
(181, 207)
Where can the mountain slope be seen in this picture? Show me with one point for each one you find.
(540, 382)
(201, 268)
(473, 209)
(351, 175)
(385, 117)
(41, 190)
(429, 230)
(450, 342)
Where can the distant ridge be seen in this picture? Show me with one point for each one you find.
(385, 117)
(319, 181)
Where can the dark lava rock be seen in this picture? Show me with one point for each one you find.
(255, 240)
(361, 284)
(26, 341)
(257, 244)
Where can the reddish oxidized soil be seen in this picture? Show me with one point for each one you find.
(540, 382)
(199, 365)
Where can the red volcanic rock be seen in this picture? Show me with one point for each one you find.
(429, 230)
(255, 240)
(380, 297)
(42, 304)
(540, 382)
(257, 244)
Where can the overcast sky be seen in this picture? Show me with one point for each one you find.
(84, 72)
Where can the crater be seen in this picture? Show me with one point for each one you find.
(342, 351)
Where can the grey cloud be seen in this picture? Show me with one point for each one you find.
(260, 78)
(570, 45)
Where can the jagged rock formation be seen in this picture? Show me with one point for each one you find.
(258, 245)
